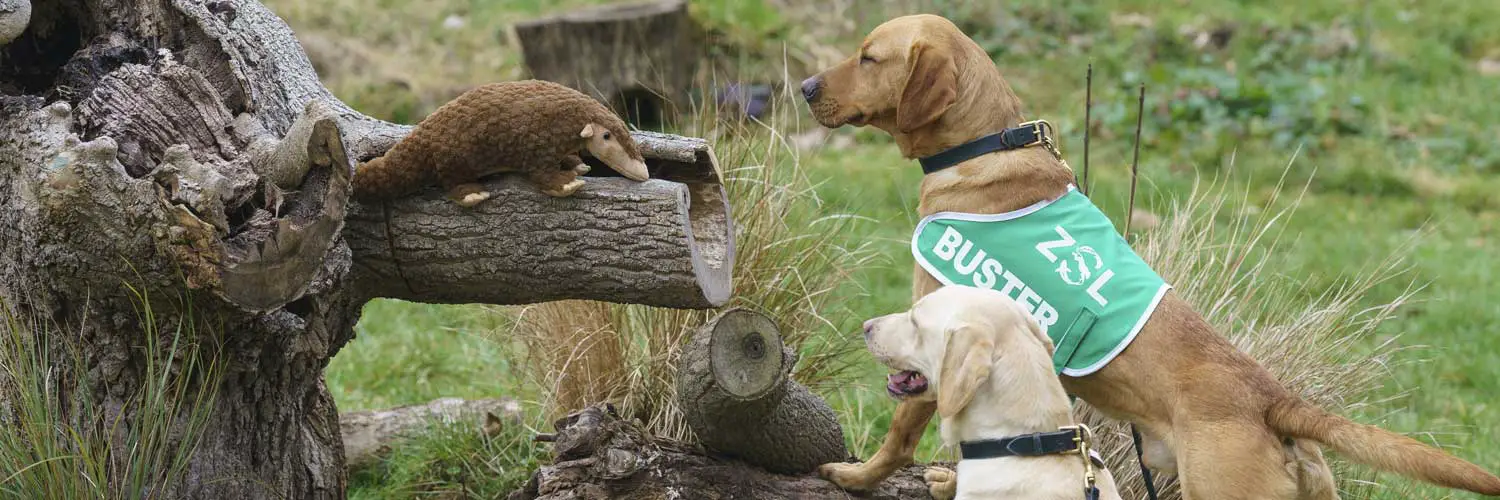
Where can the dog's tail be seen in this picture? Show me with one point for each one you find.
(1378, 447)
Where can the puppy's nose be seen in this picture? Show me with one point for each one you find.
(810, 88)
(869, 327)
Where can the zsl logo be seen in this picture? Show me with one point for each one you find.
(1077, 271)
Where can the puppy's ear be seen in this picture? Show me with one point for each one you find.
(1031, 326)
(966, 365)
(931, 87)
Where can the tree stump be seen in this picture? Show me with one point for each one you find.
(640, 58)
(184, 151)
(736, 393)
(599, 456)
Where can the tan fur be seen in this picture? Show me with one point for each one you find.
(1207, 410)
(996, 381)
(532, 127)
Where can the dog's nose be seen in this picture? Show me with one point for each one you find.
(869, 327)
(810, 88)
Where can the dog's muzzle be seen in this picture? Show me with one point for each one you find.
(810, 88)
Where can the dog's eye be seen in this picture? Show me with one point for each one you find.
(866, 60)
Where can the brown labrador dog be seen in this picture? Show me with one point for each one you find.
(1208, 411)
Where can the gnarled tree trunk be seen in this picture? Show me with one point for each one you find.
(184, 149)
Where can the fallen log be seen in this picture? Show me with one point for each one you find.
(599, 456)
(736, 393)
(369, 435)
(664, 242)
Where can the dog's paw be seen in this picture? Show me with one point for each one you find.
(850, 477)
(942, 483)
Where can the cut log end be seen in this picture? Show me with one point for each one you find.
(736, 395)
(745, 354)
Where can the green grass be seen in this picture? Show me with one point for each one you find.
(54, 447)
(1380, 103)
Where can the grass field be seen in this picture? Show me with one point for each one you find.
(1385, 109)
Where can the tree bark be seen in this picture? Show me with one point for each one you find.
(664, 242)
(183, 152)
(598, 456)
(638, 57)
(735, 391)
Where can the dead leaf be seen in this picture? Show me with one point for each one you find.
(493, 425)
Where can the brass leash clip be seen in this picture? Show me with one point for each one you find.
(1084, 437)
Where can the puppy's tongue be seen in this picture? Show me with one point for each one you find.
(906, 383)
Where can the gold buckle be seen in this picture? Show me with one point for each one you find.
(1041, 127)
(1083, 435)
(1044, 131)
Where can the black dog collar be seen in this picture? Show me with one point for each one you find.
(1024, 135)
(1026, 445)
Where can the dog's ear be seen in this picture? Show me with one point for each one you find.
(1030, 325)
(931, 86)
(966, 365)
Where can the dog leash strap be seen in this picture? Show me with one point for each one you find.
(1135, 435)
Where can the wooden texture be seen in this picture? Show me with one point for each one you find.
(206, 174)
(597, 456)
(735, 393)
(631, 55)
(664, 242)
(368, 435)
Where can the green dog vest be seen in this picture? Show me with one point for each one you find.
(1062, 260)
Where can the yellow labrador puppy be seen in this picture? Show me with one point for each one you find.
(988, 365)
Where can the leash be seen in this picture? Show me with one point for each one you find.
(1025, 135)
(1145, 472)
(1070, 440)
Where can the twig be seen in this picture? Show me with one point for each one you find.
(1088, 106)
(1135, 161)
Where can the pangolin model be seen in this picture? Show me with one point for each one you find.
(532, 127)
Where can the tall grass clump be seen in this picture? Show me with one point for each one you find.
(1222, 261)
(59, 443)
(791, 263)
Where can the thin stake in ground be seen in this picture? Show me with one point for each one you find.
(1088, 106)
(1135, 161)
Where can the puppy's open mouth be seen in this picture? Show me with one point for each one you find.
(906, 383)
